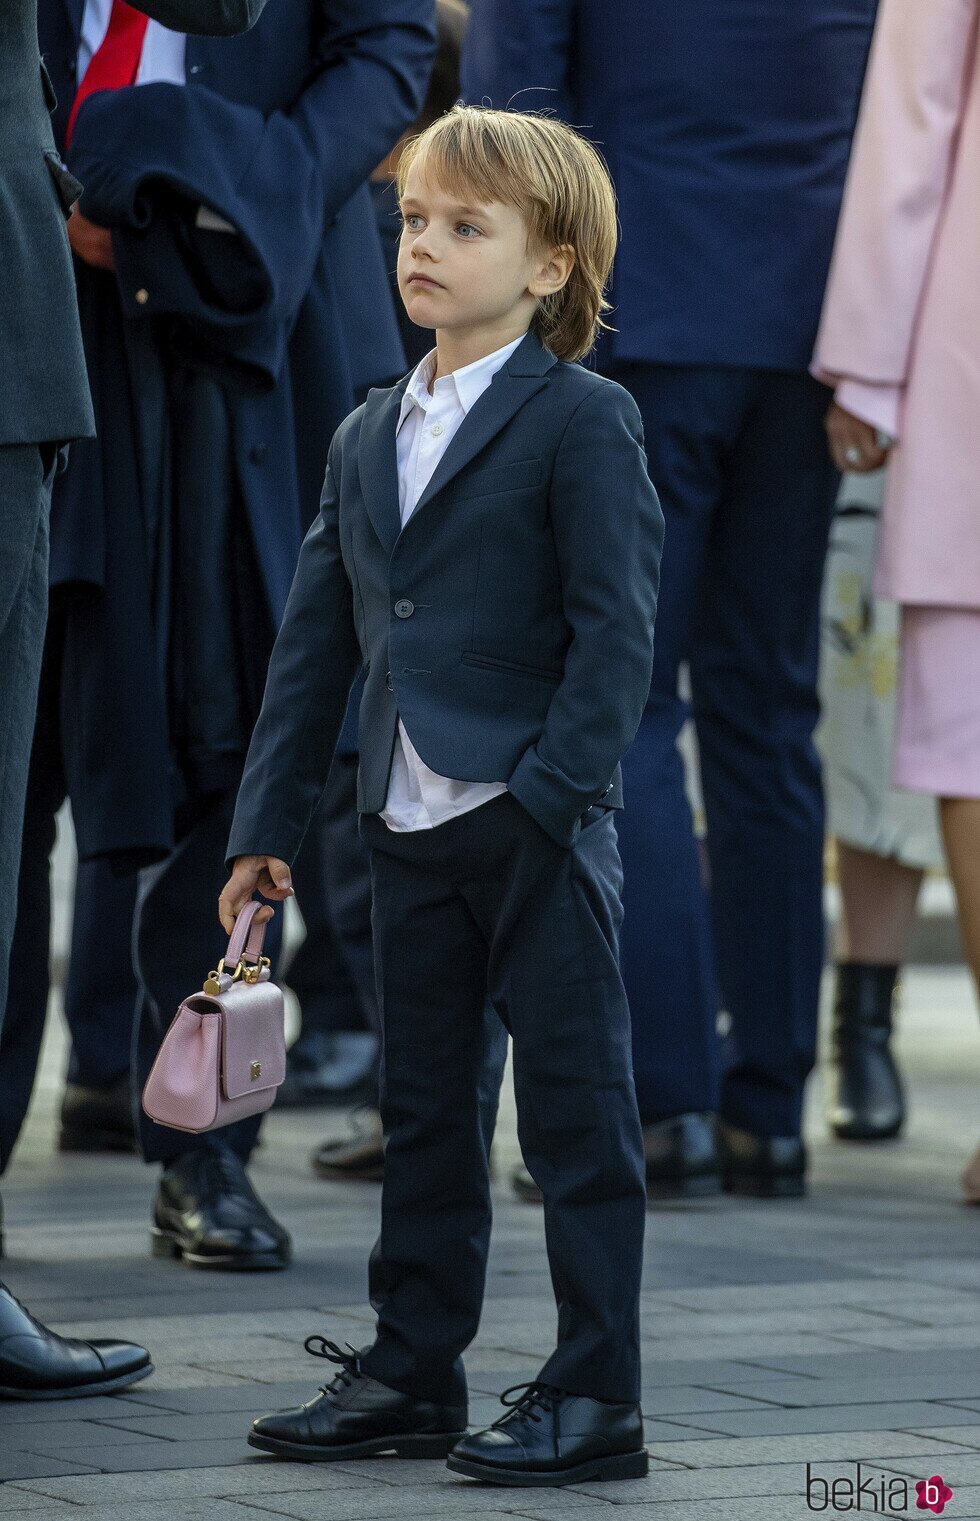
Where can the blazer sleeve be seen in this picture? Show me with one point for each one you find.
(518, 55)
(314, 662)
(371, 72)
(897, 181)
(609, 533)
(207, 18)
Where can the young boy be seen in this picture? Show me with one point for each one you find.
(488, 545)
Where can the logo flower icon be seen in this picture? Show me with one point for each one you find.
(933, 1494)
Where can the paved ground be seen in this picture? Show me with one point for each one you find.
(844, 1329)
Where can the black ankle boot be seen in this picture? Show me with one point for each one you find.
(864, 1090)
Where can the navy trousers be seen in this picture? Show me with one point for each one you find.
(488, 905)
(740, 461)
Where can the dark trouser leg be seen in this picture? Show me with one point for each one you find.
(689, 419)
(100, 986)
(553, 917)
(754, 676)
(26, 475)
(177, 941)
(428, 1270)
(29, 982)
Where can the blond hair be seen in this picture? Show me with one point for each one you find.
(558, 182)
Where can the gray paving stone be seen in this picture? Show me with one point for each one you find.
(249, 1398)
(453, 1497)
(149, 1453)
(17, 1464)
(866, 1417)
(955, 1469)
(17, 1501)
(31, 1412)
(948, 1388)
(253, 1476)
(681, 1399)
(968, 1436)
(70, 1437)
(207, 1509)
(718, 1483)
(868, 1446)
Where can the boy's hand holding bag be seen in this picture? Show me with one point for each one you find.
(224, 1056)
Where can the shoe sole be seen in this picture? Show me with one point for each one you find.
(864, 1133)
(438, 1445)
(71, 1140)
(751, 1186)
(349, 1174)
(620, 1465)
(684, 1188)
(167, 1244)
(80, 1391)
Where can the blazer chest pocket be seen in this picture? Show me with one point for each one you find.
(510, 667)
(517, 475)
(68, 188)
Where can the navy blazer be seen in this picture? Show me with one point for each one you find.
(509, 623)
(726, 125)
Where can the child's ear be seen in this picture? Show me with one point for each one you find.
(554, 271)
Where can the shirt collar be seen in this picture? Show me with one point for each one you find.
(469, 382)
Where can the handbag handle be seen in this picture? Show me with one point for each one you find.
(247, 937)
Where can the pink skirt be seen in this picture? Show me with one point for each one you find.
(937, 743)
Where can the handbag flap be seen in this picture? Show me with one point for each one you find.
(253, 1038)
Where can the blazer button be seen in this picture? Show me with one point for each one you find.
(404, 608)
(389, 683)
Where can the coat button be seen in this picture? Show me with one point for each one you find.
(142, 296)
(389, 683)
(404, 608)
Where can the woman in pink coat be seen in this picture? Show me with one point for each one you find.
(900, 341)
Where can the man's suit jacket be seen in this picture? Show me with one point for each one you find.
(43, 389)
(726, 125)
(510, 622)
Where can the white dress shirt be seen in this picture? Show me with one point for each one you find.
(162, 58)
(419, 798)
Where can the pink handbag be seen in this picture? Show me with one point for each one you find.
(224, 1056)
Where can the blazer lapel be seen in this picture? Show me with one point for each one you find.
(525, 373)
(377, 463)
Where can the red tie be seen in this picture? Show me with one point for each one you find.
(115, 62)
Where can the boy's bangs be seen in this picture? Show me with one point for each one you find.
(469, 165)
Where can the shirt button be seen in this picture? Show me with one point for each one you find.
(404, 609)
(142, 296)
(389, 683)
(437, 428)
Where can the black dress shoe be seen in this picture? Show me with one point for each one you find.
(331, 1068)
(763, 1166)
(97, 1119)
(354, 1416)
(207, 1212)
(864, 1091)
(35, 1364)
(681, 1157)
(549, 1437)
(358, 1157)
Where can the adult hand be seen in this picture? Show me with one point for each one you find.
(267, 874)
(853, 442)
(92, 243)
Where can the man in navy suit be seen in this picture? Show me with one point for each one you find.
(727, 127)
(225, 250)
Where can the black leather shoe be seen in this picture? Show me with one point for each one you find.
(682, 1158)
(207, 1212)
(331, 1068)
(35, 1364)
(357, 1157)
(354, 1416)
(763, 1166)
(97, 1119)
(548, 1437)
(864, 1091)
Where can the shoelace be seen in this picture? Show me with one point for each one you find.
(350, 1365)
(533, 1401)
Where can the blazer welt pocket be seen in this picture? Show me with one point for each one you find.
(68, 188)
(513, 476)
(50, 98)
(515, 667)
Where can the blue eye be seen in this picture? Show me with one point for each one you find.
(467, 224)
